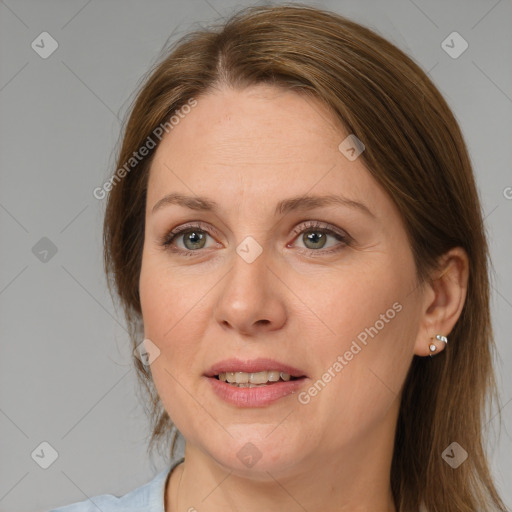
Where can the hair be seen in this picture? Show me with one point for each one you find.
(414, 150)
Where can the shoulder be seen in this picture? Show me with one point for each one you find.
(148, 498)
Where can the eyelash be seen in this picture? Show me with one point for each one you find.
(167, 240)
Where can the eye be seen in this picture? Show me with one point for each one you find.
(315, 237)
(188, 238)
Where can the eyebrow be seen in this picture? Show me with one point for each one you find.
(300, 203)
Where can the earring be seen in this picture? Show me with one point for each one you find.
(433, 348)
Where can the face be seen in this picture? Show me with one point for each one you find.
(260, 276)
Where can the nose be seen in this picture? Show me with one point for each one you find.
(250, 300)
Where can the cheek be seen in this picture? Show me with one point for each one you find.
(172, 315)
(175, 317)
(167, 298)
(372, 319)
(352, 301)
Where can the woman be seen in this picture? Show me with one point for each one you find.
(294, 231)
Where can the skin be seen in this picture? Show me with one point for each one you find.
(247, 150)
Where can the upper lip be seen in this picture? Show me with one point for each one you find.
(253, 366)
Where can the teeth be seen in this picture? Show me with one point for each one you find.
(244, 379)
(258, 378)
(273, 376)
(241, 378)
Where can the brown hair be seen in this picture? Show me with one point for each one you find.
(414, 149)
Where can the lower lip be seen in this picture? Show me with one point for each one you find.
(259, 396)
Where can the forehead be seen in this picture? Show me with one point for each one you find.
(257, 144)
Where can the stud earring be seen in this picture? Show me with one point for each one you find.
(433, 348)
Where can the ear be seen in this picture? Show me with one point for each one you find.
(443, 300)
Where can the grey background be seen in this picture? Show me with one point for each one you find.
(65, 368)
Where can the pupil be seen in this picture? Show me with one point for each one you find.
(194, 238)
(316, 238)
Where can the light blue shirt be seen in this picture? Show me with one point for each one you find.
(147, 498)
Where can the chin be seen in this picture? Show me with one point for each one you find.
(255, 450)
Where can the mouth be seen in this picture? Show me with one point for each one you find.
(236, 385)
(254, 383)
